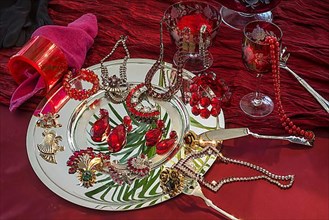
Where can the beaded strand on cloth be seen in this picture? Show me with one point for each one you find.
(286, 122)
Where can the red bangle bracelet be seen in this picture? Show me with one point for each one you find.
(81, 94)
(41, 55)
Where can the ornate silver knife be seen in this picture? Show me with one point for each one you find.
(225, 134)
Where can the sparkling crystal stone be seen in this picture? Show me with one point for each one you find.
(152, 137)
(138, 107)
(87, 175)
(164, 146)
(100, 128)
(117, 138)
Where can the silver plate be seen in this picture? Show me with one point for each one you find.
(75, 118)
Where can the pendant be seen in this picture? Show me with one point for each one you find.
(139, 165)
(86, 163)
(50, 146)
(48, 120)
(101, 128)
(117, 138)
(152, 137)
(116, 90)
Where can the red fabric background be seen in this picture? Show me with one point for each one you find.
(305, 26)
(305, 29)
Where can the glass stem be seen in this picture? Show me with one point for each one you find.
(245, 14)
(257, 100)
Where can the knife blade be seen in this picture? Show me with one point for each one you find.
(224, 134)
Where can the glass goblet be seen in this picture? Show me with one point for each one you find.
(256, 57)
(193, 26)
(236, 14)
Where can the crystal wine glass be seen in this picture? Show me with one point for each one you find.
(193, 26)
(237, 13)
(256, 57)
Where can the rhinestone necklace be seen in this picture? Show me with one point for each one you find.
(176, 84)
(211, 148)
(116, 89)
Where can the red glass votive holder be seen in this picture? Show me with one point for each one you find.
(39, 55)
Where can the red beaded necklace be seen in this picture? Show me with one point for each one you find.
(287, 123)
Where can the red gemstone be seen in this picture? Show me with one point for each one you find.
(195, 110)
(195, 96)
(100, 128)
(103, 112)
(194, 88)
(215, 102)
(127, 121)
(205, 102)
(215, 111)
(193, 102)
(117, 138)
(204, 113)
(164, 146)
(129, 128)
(152, 137)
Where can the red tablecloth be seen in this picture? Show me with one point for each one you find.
(305, 27)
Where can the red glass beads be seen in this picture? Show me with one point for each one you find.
(286, 122)
(208, 92)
